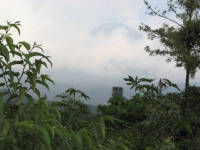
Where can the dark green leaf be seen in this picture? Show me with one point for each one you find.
(42, 83)
(16, 27)
(38, 64)
(9, 41)
(25, 44)
(37, 92)
(3, 27)
(5, 52)
(16, 62)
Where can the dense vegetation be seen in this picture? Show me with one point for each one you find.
(151, 120)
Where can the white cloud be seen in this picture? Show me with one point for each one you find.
(64, 26)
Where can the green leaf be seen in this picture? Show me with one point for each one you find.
(49, 79)
(47, 58)
(3, 27)
(44, 63)
(33, 54)
(16, 62)
(46, 77)
(61, 96)
(8, 73)
(25, 44)
(5, 52)
(29, 97)
(38, 64)
(11, 77)
(27, 59)
(145, 80)
(16, 27)
(9, 41)
(37, 92)
(2, 84)
(38, 46)
(17, 53)
(3, 63)
(31, 78)
(42, 83)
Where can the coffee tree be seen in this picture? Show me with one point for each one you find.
(20, 65)
(20, 75)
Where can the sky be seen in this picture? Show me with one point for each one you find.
(91, 42)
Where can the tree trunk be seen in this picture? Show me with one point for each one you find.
(187, 83)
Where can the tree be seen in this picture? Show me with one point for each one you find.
(73, 94)
(20, 74)
(181, 42)
(20, 66)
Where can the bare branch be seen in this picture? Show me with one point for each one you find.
(153, 12)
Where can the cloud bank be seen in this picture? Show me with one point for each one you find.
(91, 41)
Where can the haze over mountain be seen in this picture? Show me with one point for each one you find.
(97, 94)
(109, 27)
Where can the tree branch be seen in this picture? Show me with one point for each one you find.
(160, 15)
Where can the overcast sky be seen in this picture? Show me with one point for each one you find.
(93, 42)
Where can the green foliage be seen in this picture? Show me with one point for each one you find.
(154, 120)
(180, 43)
(28, 123)
(22, 122)
(117, 100)
(20, 65)
(145, 85)
(72, 93)
(75, 114)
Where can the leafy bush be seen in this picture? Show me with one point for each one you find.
(153, 120)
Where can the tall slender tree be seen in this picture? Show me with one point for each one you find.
(181, 41)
